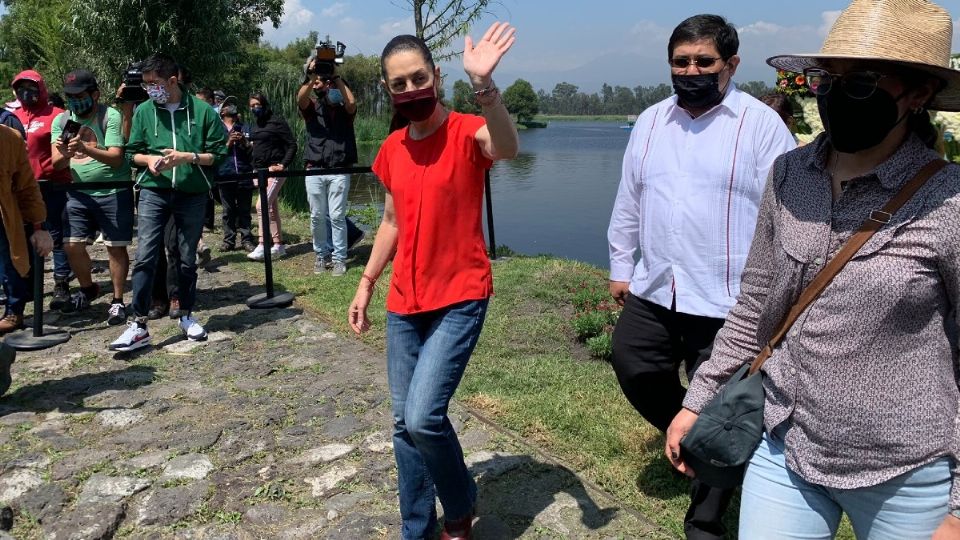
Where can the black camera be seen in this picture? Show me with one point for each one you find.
(328, 57)
(132, 81)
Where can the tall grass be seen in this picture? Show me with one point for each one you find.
(280, 87)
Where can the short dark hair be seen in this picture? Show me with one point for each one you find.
(162, 64)
(205, 93)
(714, 27)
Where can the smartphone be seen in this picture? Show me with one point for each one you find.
(70, 130)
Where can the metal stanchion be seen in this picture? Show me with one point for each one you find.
(493, 237)
(268, 299)
(39, 337)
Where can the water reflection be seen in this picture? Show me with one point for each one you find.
(554, 198)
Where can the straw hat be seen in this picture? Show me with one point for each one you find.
(913, 33)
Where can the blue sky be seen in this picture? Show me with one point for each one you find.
(588, 42)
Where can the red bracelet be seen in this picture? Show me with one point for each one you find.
(373, 281)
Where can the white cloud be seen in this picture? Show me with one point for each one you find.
(396, 27)
(827, 18)
(296, 21)
(335, 10)
(761, 28)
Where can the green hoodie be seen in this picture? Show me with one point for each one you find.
(193, 127)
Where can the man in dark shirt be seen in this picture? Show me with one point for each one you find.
(328, 108)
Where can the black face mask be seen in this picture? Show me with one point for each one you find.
(28, 97)
(854, 125)
(698, 91)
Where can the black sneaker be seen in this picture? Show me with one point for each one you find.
(118, 314)
(61, 293)
(80, 300)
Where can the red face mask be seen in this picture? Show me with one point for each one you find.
(415, 105)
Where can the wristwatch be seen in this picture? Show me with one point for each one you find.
(39, 226)
(196, 159)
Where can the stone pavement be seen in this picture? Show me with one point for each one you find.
(275, 428)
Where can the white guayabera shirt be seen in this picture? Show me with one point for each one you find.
(687, 205)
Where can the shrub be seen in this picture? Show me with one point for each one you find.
(589, 324)
(601, 346)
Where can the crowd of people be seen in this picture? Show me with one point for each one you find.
(179, 150)
(719, 224)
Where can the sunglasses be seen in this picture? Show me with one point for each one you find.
(855, 84)
(681, 62)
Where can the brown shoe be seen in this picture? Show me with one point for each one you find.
(10, 323)
(457, 530)
(175, 308)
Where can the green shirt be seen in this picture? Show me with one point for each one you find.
(87, 169)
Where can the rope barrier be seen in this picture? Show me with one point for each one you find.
(269, 299)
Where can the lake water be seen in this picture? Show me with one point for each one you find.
(555, 198)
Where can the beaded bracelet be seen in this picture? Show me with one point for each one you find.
(488, 96)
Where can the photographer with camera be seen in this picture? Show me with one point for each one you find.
(88, 140)
(328, 107)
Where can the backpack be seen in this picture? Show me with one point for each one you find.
(101, 119)
(5, 117)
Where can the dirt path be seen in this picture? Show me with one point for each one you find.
(274, 428)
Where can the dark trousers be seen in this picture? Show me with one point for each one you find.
(236, 219)
(649, 344)
(165, 282)
(155, 208)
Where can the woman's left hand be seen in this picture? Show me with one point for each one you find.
(948, 530)
(480, 60)
(275, 168)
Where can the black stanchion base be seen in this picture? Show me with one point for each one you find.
(24, 340)
(278, 300)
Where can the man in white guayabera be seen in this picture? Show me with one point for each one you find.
(693, 174)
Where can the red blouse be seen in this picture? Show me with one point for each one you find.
(437, 188)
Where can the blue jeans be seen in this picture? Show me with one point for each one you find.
(56, 201)
(14, 286)
(777, 503)
(426, 356)
(154, 210)
(328, 201)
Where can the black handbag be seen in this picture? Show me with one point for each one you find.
(728, 429)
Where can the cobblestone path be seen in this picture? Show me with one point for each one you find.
(274, 428)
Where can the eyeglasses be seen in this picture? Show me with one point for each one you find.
(681, 62)
(855, 84)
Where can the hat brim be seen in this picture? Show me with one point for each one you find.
(711, 475)
(947, 99)
(78, 89)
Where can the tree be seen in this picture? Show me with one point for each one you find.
(756, 88)
(34, 35)
(210, 38)
(521, 100)
(463, 98)
(440, 22)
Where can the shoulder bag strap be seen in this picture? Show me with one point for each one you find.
(877, 219)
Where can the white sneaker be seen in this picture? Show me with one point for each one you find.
(256, 254)
(278, 250)
(134, 337)
(192, 329)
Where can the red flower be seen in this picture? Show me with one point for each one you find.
(800, 80)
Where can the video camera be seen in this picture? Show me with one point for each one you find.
(132, 79)
(328, 56)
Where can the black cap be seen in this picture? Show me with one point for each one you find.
(727, 431)
(79, 81)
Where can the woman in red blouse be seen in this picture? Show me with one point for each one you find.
(433, 169)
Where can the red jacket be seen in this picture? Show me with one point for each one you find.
(37, 121)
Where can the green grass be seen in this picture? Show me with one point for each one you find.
(531, 375)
